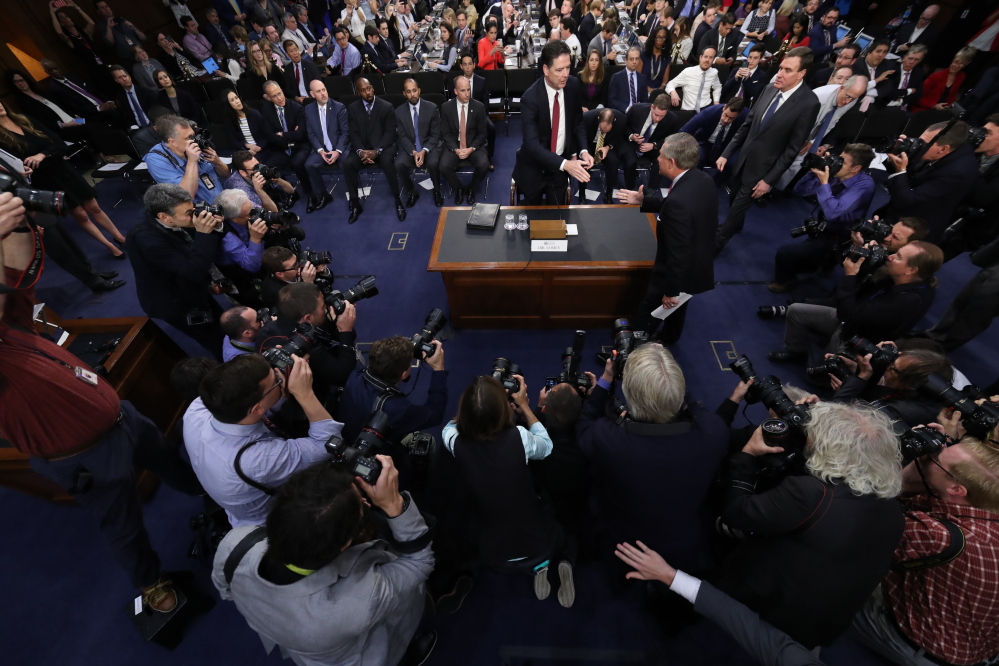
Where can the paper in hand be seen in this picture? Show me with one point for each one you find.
(661, 312)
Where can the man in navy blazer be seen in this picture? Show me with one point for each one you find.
(629, 86)
(131, 96)
(327, 146)
(714, 128)
(749, 81)
(480, 93)
(822, 37)
(554, 144)
(286, 131)
(905, 86)
(298, 73)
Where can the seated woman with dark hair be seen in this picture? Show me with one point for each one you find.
(656, 57)
(490, 49)
(34, 104)
(246, 125)
(594, 81)
(516, 529)
(172, 97)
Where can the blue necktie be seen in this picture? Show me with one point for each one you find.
(646, 137)
(817, 141)
(284, 126)
(631, 85)
(772, 109)
(416, 128)
(326, 136)
(140, 117)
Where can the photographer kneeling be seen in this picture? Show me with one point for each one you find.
(817, 543)
(656, 467)
(242, 248)
(254, 179)
(227, 425)
(282, 267)
(843, 198)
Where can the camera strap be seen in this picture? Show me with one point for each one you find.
(817, 513)
(29, 277)
(948, 554)
(169, 156)
(255, 536)
(385, 391)
(247, 480)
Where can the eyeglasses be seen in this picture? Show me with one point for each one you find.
(278, 381)
(933, 460)
(849, 97)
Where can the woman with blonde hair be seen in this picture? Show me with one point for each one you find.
(259, 68)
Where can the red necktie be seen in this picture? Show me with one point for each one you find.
(555, 121)
(298, 76)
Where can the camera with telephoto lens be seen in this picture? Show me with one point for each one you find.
(570, 365)
(338, 300)
(264, 315)
(976, 135)
(873, 230)
(814, 228)
(831, 366)
(626, 341)
(771, 311)
(435, 321)
(874, 257)
(300, 343)
(881, 357)
(203, 138)
(270, 173)
(205, 207)
(35, 201)
(978, 420)
(913, 442)
(359, 457)
(309, 255)
(503, 372)
(275, 220)
(910, 146)
(787, 429)
(814, 161)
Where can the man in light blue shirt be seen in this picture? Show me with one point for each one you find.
(231, 414)
(178, 160)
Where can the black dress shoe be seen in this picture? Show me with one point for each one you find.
(784, 356)
(419, 649)
(438, 198)
(414, 196)
(108, 285)
(355, 212)
(108, 275)
(400, 210)
(470, 196)
(313, 205)
(459, 197)
(326, 200)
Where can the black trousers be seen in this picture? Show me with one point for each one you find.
(739, 203)
(803, 256)
(629, 161)
(490, 137)
(971, 313)
(352, 167)
(282, 160)
(403, 164)
(672, 326)
(610, 166)
(102, 480)
(209, 336)
(449, 165)
(61, 248)
(552, 191)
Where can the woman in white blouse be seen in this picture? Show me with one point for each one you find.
(761, 21)
(682, 41)
(354, 19)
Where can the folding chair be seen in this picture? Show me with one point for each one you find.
(337, 86)
(517, 82)
(496, 84)
(217, 88)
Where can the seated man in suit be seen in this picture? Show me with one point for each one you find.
(875, 67)
(418, 130)
(905, 86)
(133, 102)
(298, 73)
(822, 37)
(604, 42)
(648, 125)
(847, 57)
(724, 38)
(72, 95)
(326, 123)
(463, 135)
(480, 93)
(386, 49)
(555, 144)
(287, 137)
(629, 86)
(701, 86)
(345, 59)
(713, 128)
(372, 39)
(372, 143)
(605, 133)
(748, 81)
(923, 32)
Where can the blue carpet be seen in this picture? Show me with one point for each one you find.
(63, 598)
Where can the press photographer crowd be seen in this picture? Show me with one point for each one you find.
(343, 513)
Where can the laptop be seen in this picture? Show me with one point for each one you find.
(863, 40)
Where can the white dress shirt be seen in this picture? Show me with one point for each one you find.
(784, 96)
(690, 80)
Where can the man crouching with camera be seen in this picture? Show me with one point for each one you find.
(259, 181)
(821, 539)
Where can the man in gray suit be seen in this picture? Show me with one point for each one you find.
(418, 148)
(769, 140)
(317, 585)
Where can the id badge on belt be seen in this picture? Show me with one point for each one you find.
(84, 375)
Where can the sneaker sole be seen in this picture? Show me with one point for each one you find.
(451, 602)
(566, 589)
(541, 586)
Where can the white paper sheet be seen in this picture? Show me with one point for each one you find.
(662, 313)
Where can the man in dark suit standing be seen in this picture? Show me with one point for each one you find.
(905, 86)
(715, 127)
(133, 101)
(605, 133)
(326, 123)
(724, 38)
(769, 140)
(822, 37)
(648, 125)
(629, 86)
(480, 93)
(684, 235)
(286, 131)
(372, 143)
(418, 131)
(299, 73)
(555, 145)
(749, 81)
(463, 133)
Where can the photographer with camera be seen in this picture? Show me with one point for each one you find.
(239, 457)
(332, 356)
(659, 462)
(883, 308)
(940, 601)
(321, 585)
(187, 159)
(282, 267)
(253, 178)
(240, 325)
(729, 409)
(889, 236)
(844, 191)
(242, 239)
(976, 218)
(816, 544)
(945, 172)
(173, 266)
(72, 425)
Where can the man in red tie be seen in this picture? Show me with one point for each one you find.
(554, 146)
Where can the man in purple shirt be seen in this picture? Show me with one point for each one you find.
(843, 199)
(245, 177)
(242, 240)
(196, 43)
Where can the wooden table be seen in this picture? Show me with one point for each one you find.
(494, 281)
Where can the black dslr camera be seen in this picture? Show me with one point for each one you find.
(830, 366)
(910, 146)
(359, 457)
(881, 357)
(787, 430)
(771, 311)
(874, 257)
(503, 372)
(976, 135)
(914, 442)
(338, 300)
(264, 315)
(277, 221)
(625, 341)
(203, 138)
(814, 228)
(570, 366)
(35, 201)
(873, 230)
(435, 321)
(309, 255)
(305, 338)
(204, 207)
(267, 172)
(814, 161)
(978, 420)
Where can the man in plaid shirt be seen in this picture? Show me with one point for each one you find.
(948, 613)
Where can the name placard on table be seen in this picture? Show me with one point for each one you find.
(550, 245)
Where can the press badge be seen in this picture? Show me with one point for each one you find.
(88, 376)
(207, 181)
